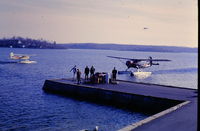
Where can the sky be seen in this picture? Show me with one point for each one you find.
(137, 22)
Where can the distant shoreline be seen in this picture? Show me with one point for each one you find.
(118, 47)
(19, 42)
(122, 47)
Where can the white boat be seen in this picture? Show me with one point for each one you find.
(27, 62)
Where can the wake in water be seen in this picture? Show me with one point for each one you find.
(8, 62)
(175, 71)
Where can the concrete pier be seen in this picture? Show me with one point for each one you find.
(171, 108)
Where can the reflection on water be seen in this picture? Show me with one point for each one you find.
(8, 62)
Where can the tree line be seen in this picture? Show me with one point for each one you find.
(20, 42)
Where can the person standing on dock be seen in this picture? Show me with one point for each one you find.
(74, 71)
(78, 75)
(114, 74)
(87, 70)
(92, 70)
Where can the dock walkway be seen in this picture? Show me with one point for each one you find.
(182, 119)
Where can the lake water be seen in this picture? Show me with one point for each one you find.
(24, 105)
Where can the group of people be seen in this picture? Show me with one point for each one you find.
(77, 73)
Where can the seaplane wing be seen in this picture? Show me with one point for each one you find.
(119, 57)
(150, 59)
(160, 60)
(21, 55)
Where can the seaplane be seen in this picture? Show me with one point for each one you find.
(24, 58)
(138, 64)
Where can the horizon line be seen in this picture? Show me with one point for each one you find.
(124, 44)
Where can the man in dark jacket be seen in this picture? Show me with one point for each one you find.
(87, 70)
(78, 75)
(114, 74)
(92, 70)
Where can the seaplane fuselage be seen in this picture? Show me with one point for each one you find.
(17, 56)
(137, 64)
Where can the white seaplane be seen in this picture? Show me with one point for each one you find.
(139, 64)
(24, 58)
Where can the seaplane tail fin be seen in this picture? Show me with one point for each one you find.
(11, 54)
